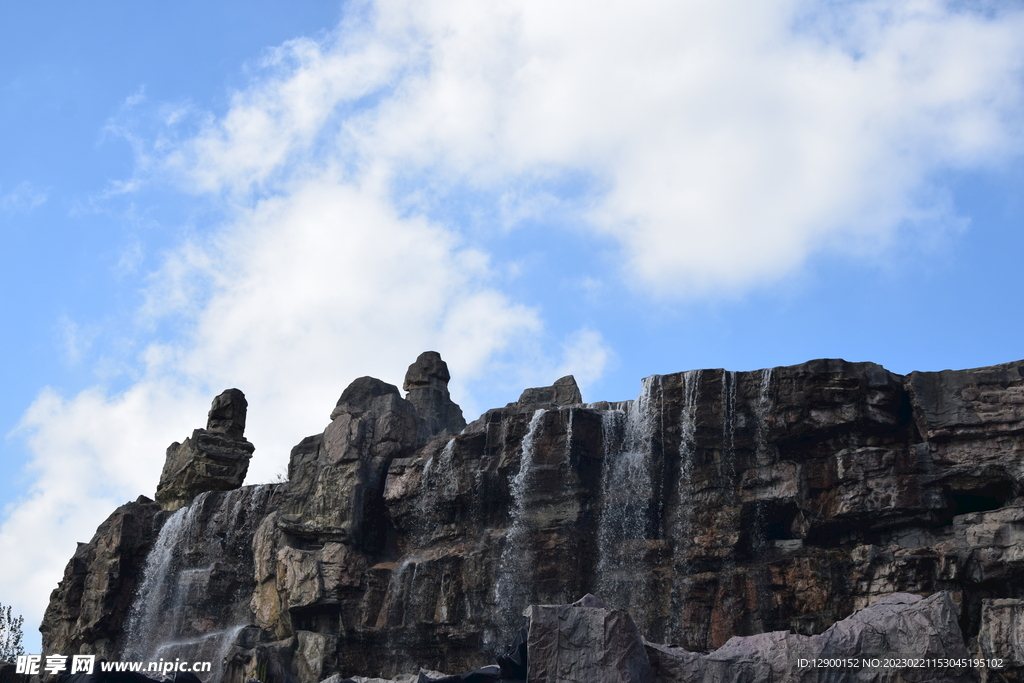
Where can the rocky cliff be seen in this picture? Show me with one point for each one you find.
(715, 504)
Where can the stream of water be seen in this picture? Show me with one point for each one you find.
(180, 609)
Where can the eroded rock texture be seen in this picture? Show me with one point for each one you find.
(89, 609)
(212, 459)
(716, 504)
(427, 384)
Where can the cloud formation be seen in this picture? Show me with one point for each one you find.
(22, 199)
(722, 144)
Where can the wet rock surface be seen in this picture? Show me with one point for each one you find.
(88, 611)
(713, 506)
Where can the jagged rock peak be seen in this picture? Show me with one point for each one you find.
(427, 385)
(429, 370)
(227, 414)
(212, 459)
(564, 392)
(359, 395)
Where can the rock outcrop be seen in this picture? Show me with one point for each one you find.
(212, 459)
(715, 505)
(88, 611)
(563, 392)
(427, 385)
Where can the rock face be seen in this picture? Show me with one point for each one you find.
(427, 384)
(715, 505)
(88, 611)
(212, 459)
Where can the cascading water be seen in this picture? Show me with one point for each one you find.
(627, 488)
(511, 592)
(763, 456)
(184, 608)
(439, 472)
(687, 445)
(681, 524)
(727, 463)
(758, 530)
(761, 411)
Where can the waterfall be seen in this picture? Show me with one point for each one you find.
(397, 599)
(511, 591)
(687, 446)
(727, 461)
(190, 605)
(441, 474)
(681, 530)
(627, 488)
(568, 435)
(761, 411)
(758, 529)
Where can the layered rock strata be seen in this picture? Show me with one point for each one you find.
(716, 504)
(212, 459)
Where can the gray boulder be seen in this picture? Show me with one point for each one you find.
(585, 643)
(563, 392)
(898, 626)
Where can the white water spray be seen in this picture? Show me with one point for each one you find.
(178, 612)
(511, 591)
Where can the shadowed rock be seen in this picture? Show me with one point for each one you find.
(427, 385)
(227, 414)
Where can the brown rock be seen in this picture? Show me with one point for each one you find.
(227, 414)
(716, 505)
(212, 459)
(90, 606)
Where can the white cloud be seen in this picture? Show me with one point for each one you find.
(585, 356)
(727, 141)
(720, 144)
(23, 198)
(75, 340)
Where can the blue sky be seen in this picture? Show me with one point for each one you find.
(283, 197)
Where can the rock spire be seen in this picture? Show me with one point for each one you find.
(212, 459)
(427, 385)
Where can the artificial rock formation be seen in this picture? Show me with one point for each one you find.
(563, 392)
(212, 459)
(88, 611)
(427, 384)
(715, 505)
